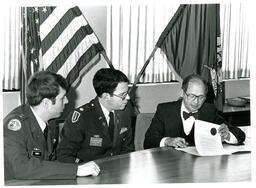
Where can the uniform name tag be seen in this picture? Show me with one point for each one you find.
(96, 141)
(36, 152)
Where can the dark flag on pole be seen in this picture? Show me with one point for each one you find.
(191, 44)
(59, 40)
(190, 39)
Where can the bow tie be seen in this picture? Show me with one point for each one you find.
(187, 115)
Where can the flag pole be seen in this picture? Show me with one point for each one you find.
(143, 68)
(104, 51)
(23, 56)
(107, 59)
(138, 78)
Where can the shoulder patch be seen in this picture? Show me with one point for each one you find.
(75, 116)
(14, 125)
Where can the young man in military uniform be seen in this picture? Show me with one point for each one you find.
(30, 143)
(102, 127)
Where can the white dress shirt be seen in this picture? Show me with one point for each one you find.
(188, 123)
(105, 112)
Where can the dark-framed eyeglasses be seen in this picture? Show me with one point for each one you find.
(122, 96)
(193, 97)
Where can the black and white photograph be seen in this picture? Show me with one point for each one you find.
(128, 92)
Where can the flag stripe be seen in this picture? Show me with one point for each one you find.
(84, 61)
(79, 43)
(64, 38)
(51, 21)
(64, 28)
(45, 12)
(73, 61)
(74, 58)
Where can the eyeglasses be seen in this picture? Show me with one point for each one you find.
(123, 96)
(193, 97)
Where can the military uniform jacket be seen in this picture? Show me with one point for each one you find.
(85, 135)
(26, 153)
(167, 122)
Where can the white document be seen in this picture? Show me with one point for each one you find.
(208, 141)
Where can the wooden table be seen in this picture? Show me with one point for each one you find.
(161, 165)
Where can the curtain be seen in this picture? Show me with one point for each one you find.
(236, 21)
(132, 32)
(11, 48)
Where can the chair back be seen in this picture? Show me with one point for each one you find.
(143, 122)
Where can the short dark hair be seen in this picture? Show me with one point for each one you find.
(106, 80)
(44, 84)
(192, 77)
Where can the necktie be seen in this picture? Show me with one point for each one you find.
(187, 115)
(111, 125)
(45, 132)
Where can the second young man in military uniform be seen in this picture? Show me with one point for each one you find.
(102, 127)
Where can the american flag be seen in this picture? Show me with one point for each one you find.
(59, 40)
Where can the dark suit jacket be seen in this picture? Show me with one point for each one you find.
(167, 122)
(26, 153)
(85, 135)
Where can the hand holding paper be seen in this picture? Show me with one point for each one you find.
(208, 140)
(224, 132)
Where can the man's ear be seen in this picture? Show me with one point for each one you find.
(182, 93)
(105, 96)
(46, 103)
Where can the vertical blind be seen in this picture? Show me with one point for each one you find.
(11, 30)
(132, 32)
(236, 21)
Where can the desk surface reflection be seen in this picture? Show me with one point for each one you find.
(161, 165)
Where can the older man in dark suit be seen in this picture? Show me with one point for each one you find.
(173, 123)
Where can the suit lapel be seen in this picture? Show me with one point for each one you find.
(179, 120)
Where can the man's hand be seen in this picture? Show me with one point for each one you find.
(224, 132)
(90, 168)
(176, 142)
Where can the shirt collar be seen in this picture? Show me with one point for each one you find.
(187, 124)
(183, 108)
(41, 123)
(105, 111)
